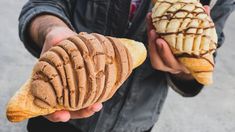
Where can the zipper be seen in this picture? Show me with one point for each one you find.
(136, 15)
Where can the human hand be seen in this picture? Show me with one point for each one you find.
(160, 53)
(53, 37)
(64, 116)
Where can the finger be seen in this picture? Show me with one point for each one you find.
(95, 107)
(207, 9)
(149, 22)
(152, 36)
(83, 113)
(45, 48)
(155, 59)
(166, 54)
(86, 112)
(168, 58)
(58, 116)
(55, 36)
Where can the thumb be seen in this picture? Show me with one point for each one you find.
(58, 116)
(149, 22)
(55, 36)
(207, 9)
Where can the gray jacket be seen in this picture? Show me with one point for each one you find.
(137, 104)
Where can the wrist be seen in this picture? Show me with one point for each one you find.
(42, 25)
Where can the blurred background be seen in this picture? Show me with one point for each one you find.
(213, 110)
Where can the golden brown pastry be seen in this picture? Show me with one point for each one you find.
(190, 33)
(78, 72)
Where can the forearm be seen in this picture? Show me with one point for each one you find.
(41, 25)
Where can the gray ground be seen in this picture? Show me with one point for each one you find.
(211, 111)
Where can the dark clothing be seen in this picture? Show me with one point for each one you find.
(41, 124)
(136, 106)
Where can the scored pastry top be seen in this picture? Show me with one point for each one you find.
(185, 26)
(76, 73)
(80, 71)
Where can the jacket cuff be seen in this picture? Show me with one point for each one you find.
(186, 88)
(27, 15)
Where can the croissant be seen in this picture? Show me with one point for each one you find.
(76, 73)
(190, 33)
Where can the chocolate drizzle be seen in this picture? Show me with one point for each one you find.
(189, 31)
(194, 56)
(185, 29)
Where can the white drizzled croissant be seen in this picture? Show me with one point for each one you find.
(78, 72)
(190, 33)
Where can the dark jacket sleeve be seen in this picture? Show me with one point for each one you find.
(33, 8)
(219, 13)
(189, 88)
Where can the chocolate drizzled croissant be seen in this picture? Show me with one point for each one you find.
(78, 72)
(190, 33)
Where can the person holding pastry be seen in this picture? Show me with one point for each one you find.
(180, 37)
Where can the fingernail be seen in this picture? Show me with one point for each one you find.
(62, 116)
(66, 117)
(97, 107)
(176, 72)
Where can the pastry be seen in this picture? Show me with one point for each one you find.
(190, 33)
(78, 72)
